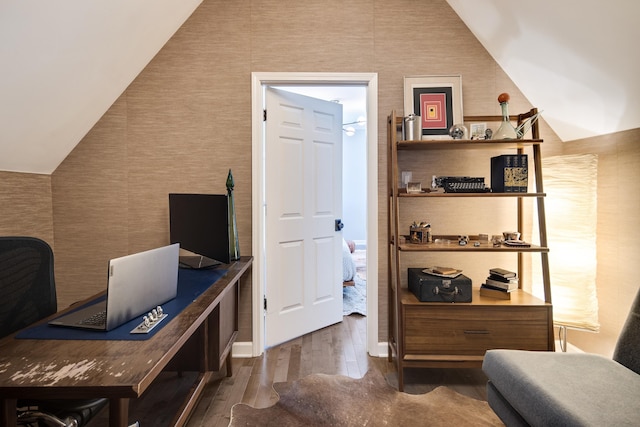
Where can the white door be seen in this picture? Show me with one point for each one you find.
(303, 189)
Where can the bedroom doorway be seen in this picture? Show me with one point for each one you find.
(326, 81)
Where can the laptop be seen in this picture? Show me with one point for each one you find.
(136, 284)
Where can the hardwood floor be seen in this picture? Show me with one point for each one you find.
(338, 349)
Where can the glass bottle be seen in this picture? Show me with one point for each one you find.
(506, 129)
(234, 247)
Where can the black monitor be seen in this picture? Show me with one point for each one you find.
(200, 223)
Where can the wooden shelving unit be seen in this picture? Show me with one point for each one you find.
(449, 335)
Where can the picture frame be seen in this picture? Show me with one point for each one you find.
(477, 130)
(414, 187)
(438, 102)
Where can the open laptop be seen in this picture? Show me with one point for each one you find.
(136, 284)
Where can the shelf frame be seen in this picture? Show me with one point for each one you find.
(397, 296)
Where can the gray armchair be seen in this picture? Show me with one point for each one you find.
(528, 388)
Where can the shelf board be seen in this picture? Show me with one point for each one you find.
(453, 246)
(466, 144)
(518, 298)
(402, 193)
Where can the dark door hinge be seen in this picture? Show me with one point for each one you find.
(264, 115)
(265, 303)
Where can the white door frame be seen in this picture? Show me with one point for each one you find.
(258, 80)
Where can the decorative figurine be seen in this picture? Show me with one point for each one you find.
(234, 246)
(458, 131)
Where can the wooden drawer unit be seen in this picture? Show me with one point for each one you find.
(460, 332)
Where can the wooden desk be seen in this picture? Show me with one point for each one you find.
(198, 339)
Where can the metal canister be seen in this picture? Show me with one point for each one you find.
(412, 127)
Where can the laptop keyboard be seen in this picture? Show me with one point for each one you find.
(97, 319)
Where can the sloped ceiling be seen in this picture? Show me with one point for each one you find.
(574, 59)
(64, 63)
(577, 60)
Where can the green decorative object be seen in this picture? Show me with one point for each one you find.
(234, 247)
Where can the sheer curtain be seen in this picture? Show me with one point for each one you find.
(570, 183)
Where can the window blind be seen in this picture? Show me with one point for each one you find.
(570, 183)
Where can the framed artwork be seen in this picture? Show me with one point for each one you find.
(438, 102)
(478, 130)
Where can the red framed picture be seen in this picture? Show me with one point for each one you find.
(438, 102)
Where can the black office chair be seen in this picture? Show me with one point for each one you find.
(28, 294)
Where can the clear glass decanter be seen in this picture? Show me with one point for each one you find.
(506, 129)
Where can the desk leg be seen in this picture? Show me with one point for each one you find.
(8, 412)
(229, 368)
(118, 412)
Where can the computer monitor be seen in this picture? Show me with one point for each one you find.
(200, 223)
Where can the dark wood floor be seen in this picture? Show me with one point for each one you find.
(338, 349)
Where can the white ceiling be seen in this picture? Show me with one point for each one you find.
(577, 60)
(64, 63)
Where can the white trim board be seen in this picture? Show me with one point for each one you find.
(258, 81)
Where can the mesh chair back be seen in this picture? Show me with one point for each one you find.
(627, 351)
(27, 285)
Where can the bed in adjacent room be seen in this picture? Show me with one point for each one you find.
(348, 265)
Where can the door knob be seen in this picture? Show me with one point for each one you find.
(339, 224)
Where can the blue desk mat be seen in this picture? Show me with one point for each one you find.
(191, 284)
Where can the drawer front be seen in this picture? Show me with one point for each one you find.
(471, 330)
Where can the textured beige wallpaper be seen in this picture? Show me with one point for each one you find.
(25, 206)
(185, 121)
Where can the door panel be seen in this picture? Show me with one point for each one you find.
(303, 188)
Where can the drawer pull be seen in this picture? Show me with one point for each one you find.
(476, 332)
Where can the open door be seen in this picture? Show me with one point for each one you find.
(303, 192)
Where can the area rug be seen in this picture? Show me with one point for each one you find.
(354, 298)
(336, 400)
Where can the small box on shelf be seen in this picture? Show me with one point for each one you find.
(431, 288)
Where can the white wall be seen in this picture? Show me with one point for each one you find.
(354, 185)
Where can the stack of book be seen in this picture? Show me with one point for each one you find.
(500, 284)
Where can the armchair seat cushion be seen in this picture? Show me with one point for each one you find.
(564, 389)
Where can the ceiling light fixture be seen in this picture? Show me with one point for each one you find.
(349, 130)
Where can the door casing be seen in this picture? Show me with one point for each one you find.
(258, 81)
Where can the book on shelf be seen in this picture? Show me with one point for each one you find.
(503, 279)
(444, 270)
(510, 285)
(502, 272)
(509, 173)
(487, 291)
(499, 289)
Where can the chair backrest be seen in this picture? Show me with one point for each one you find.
(27, 285)
(627, 351)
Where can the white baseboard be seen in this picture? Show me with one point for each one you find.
(383, 349)
(242, 350)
